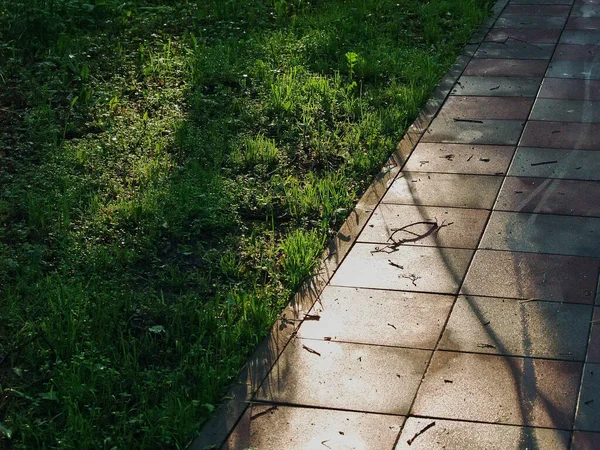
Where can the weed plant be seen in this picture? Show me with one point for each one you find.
(169, 174)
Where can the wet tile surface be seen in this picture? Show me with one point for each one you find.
(497, 86)
(530, 21)
(346, 376)
(523, 35)
(543, 233)
(410, 268)
(506, 68)
(425, 225)
(460, 158)
(455, 435)
(518, 328)
(561, 135)
(529, 275)
(369, 316)
(571, 89)
(518, 391)
(441, 189)
(468, 107)
(514, 49)
(566, 110)
(574, 69)
(580, 37)
(588, 407)
(496, 132)
(556, 163)
(549, 196)
(585, 441)
(307, 428)
(593, 355)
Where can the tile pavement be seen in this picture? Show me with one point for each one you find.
(466, 313)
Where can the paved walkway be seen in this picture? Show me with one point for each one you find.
(463, 316)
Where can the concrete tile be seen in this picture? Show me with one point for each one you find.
(574, 69)
(460, 158)
(416, 269)
(496, 132)
(577, 136)
(537, 22)
(537, 10)
(441, 189)
(541, 2)
(345, 376)
(580, 37)
(279, 427)
(469, 107)
(568, 52)
(593, 354)
(566, 110)
(369, 316)
(534, 68)
(514, 49)
(497, 86)
(543, 233)
(588, 407)
(525, 276)
(518, 328)
(549, 196)
(585, 441)
(459, 227)
(570, 89)
(585, 10)
(523, 35)
(570, 164)
(496, 389)
(583, 23)
(455, 435)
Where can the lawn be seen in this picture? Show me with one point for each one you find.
(169, 175)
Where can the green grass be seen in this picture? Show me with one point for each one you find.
(169, 174)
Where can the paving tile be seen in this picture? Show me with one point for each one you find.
(416, 269)
(593, 355)
(506, 68)
(570, 164)
(498, 132)
(588, 407)
(370, 316)
(580, 37)
(543, 233)
(455, 435)
(538, 22)
(525, 276)
(278, 427)
(489, 388)
(570, 89)
(574, 69)
(459, 227)
(566, 110)
(469, 107)
(549, 196)
(518, 328)
(583, 23)
(568, 52)
(541, 2)
(345, 376)
(577, 136)
(497, 86)
(514, 49)
(523, 35)
(460, 158)
(441, 189)
(537, 10)
(585, 10)
(585, 441)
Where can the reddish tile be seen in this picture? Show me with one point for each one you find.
(529, 21)
(345, 376)
(588, 407)
(570, 89)
(583, 136)
(537, 10)
(482, 131)
(457, 107)
(455, 435)
(531, 36)
(370, 316)
(460, 158)
(549, 196)
(506, 67)
(585, 441)
(499, 389)
(528, 275)
(567, 52)
(497, 86)
(294, 428)
(513, 47)
(583, 23)
(593, 355)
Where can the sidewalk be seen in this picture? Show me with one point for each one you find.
(463, 316)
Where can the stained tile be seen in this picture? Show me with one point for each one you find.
(486, 388)
(295, 428)
(556, 163)
(518, 328)
(455, 435)
(441, 189)
(570, 89)
(497, 132)
(580, 37)
(574, 69)
(593, 355)
(523, 35)
(506, 68)
(461, 107)
(460, 158)
(420, 269)
(568, 52)
(585, 441)
(543, 22)
(529, 275)
(458, 227)
(369, 316)
(585, 10)
(583, 23)
(588, 407)
(345, 376)
(549, 196)
(543, 233)
(577, 136)
(537, 10)
(566, 110)
(514, 49)
(497, 86)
